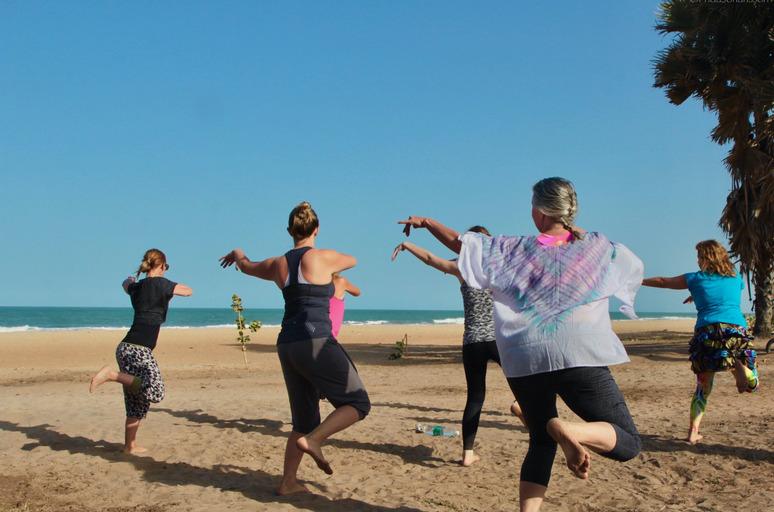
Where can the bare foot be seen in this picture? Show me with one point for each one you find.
(578, 459)
(694, 437)
(741, 378)
(100, 378)
(516, 411)
(469, 458)
(135, 450)
(286, 489)
(314, 449)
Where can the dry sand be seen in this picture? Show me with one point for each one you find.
(216, 442)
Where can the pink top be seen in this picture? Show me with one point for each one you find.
(553, 240)
(337, 315)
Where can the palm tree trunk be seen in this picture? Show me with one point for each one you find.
(764, 305)
(763, 276)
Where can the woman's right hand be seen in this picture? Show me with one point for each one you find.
(412, 222)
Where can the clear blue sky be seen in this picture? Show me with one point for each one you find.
(196, 126)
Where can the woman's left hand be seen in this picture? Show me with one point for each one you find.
(401, 247)
(230, 258)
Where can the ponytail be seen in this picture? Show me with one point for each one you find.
(150, 260)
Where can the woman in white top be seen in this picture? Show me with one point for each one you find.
(553, 330)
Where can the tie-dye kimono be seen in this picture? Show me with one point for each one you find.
(551, 302)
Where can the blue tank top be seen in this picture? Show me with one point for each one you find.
(306, 305)
(717, 298)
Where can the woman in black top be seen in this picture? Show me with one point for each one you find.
(313, 362)
(138, 371)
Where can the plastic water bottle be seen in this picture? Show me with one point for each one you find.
(436, 430)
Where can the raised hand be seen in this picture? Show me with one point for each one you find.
(229, 259)
(412, 222)
(397, 250)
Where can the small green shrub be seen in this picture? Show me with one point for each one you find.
(401, 346)
(242, 338)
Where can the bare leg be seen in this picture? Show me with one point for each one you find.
(130, 445)
(704, 382)
(531, 496)
(746, 378)
(338, 420)
(516, 411)
(107, 374)
(469, 458)
(293, 456)
(571, 437)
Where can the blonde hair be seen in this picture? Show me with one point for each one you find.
(556, 198)
(302, 221)
(714, 259)
(150, 260)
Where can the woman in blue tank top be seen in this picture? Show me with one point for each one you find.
(313, 363)
(720, 341)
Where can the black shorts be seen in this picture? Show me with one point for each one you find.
(319, 366)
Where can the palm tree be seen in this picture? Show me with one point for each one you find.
(723, 55)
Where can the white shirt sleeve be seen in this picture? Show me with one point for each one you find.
(627, 272)
(471, 261)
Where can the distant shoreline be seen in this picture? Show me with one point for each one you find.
(639, 323)
(41, 319)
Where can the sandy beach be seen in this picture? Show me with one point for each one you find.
(216, 442)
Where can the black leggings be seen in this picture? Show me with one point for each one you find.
(475, 357)
(591, 393)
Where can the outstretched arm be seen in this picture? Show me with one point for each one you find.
(446, 235)
(445, 266)
(182, 290)
(265, 269)
(673, 283)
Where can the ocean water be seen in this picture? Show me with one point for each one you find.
(16, 319)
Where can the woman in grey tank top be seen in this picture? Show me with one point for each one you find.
(478, 343)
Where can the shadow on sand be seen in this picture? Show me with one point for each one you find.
(379, 354)
(515, 425)
(253, 484)
(420, 455)
(651, 443)
(669, 350)
(424, 408)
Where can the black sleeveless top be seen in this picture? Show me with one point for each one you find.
(307, 306)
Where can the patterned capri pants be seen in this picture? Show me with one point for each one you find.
(148, 387)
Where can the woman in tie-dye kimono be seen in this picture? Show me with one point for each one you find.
(553, 330)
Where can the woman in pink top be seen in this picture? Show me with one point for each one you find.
(342, 287)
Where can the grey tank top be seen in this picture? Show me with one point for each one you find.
(479, 323)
